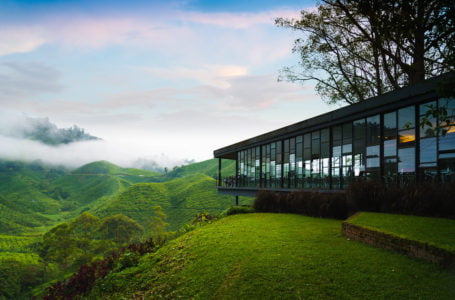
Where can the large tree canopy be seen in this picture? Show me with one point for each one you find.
(358, 49)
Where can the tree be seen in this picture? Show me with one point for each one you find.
(158, 225)
(121, 229)
(85, 225)
(59, 246)
(356, 49)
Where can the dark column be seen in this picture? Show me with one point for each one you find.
(417, 143)
(237, 177)
(282, 164)
(236, 200)
(219, 171)
(261, 179)
(331, 155)
(381, 147)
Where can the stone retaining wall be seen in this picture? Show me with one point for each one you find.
(401, 245)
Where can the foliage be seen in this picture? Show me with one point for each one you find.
(17, 278)
(121, 229)
(358, 49)
(270, 256)
(180, 199)
(425, 199)
(444, 114)
(203, 217)
(158, 226)
(234, 210)
(328, 205)
(70, 245)
(34, 197)
(81, 283)
(438, 232)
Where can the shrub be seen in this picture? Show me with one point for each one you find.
(329, 205)
(425, 199)
(82, 282)
(203, 217)
(233, 210)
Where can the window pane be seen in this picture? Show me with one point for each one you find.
(428, 150)
(406, 118)
(390, 148)
(407, 136)
(336, 135)
(373, 130)
(448, 104)
(447, 141)
(359, 129)
(406, 160)
(325, 135)
(390, 126)
(424, 108)
(429, 127)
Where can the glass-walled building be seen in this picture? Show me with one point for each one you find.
(401, 137)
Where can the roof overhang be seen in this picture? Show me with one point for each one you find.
(389, 101)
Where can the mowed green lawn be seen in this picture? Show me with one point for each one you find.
(438, 232)
(276, 256)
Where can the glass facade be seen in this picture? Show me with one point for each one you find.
(415, 142)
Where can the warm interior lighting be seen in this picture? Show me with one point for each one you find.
(451, 129)
(407, 138)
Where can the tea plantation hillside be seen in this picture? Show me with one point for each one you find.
(274, 256)
(25, 199)
(92, 181)
(34, 195)
(27, 185)
(207, 167)
(181, 199)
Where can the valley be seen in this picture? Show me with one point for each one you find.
(34, 198)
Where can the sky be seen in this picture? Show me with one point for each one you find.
(164, 80)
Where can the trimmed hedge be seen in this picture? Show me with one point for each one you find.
(234, 210)
(424, 199)
(328, 205)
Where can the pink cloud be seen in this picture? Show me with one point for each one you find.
(238, 20)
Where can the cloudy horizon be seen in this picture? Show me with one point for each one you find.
(171, 81)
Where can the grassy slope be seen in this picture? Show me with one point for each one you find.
(275, 256)
(181, 199)
(436, 231)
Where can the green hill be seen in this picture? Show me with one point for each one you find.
(98, 179)
(27, 184)
(98, 167)
(274, 256)
(208, 167)
(16, 220)
(25, 203)
(34, 195)
(181, 199)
